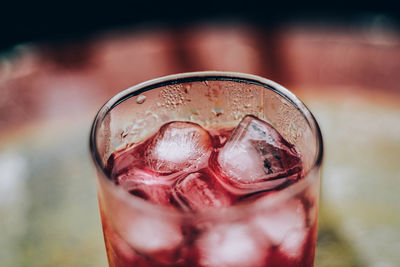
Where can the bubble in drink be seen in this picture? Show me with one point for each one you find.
(178, 146)
(257, 157)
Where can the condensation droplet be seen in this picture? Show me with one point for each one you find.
(217, 111)
(186, 88)
(173, 95)
(140, 99)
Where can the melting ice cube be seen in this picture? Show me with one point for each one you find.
(121, 162)
(157, 238)
(200, 190)
(293, 244)
(233, 245)
(178, 146)
(256, 156)
(146, 185)
(278, 223)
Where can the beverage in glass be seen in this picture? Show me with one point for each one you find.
(207, 169)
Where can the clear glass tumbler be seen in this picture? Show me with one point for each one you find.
(277, 230)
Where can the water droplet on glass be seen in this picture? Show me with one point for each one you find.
(217, 111)
(186, 88)
(140, 99)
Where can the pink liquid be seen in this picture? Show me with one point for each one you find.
(284, 237)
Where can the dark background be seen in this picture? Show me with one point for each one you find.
(58, 21)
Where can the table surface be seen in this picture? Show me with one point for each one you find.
(49, 94)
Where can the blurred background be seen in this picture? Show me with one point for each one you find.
(59, 63)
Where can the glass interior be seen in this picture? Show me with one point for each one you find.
(209, 99)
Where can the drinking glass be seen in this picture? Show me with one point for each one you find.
(277, 230)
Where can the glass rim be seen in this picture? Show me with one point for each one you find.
(135, 90)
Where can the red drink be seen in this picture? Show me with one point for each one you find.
(190, 169)
(194, 193)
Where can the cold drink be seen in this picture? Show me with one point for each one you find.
(193, 193)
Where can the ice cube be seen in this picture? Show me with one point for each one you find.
(121, 161)
(233, 245)
(278, 223)
(157, 238)
(200, 190)
(119, 252)
(256, 157)
(293, 244)
(146, 185)
(178, 146)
